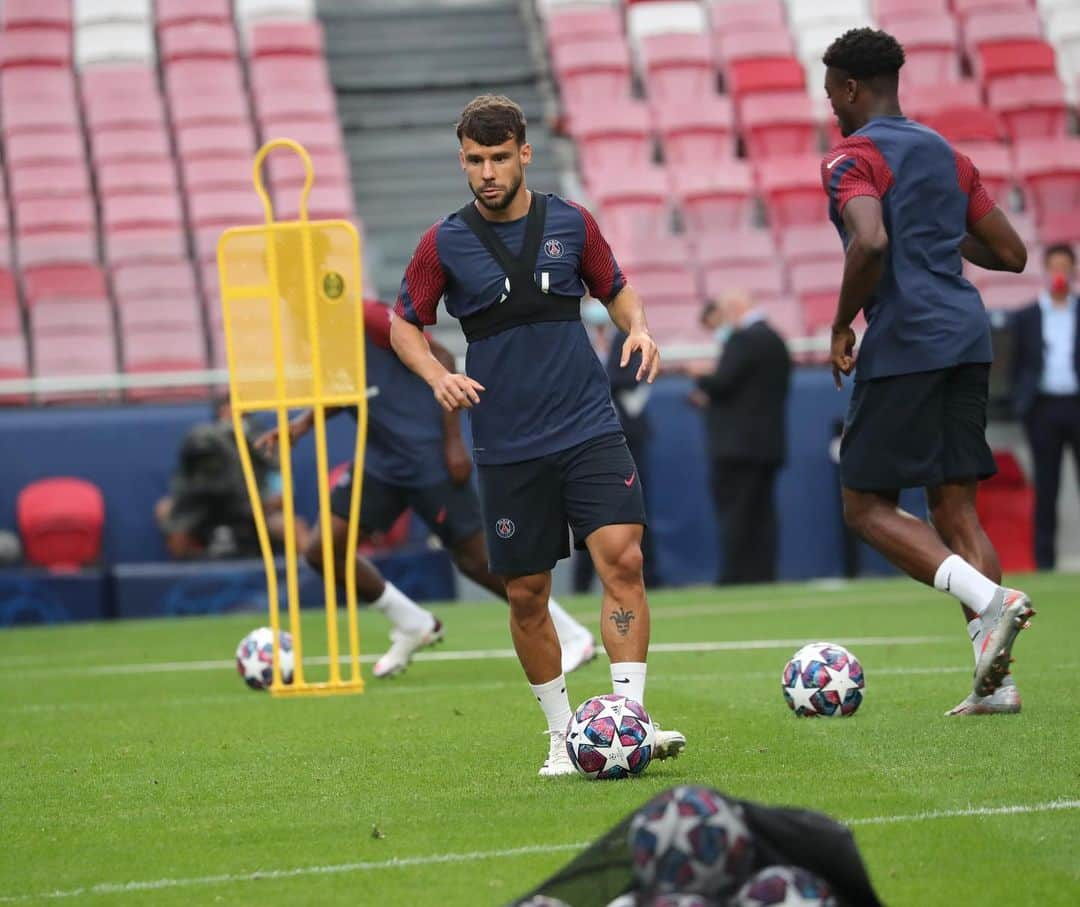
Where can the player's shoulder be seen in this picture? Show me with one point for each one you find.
(851, 148)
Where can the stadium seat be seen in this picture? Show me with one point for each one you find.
(43, 215)
(52, 317)
(143, 210)
(76, 355)
(1003, 291)
(325, 202)
(955, 109)
(1031, 106)
(228, 171)
(78, 245)
(203, 77)
(248, 11)
(578, 23)
(198, 41)
(321, 135)
(177, 12)
(817, 286)
(56, 179)
(786, 318)
(330, 165)
(613, 135)
(661, 287)
(114, 42)
(144, 244)
(10, 310)
(120, 144)
(19, 83)
(13, 365)
(716, 198)
(1001, 26)
(1060, 227)
(654, 253)
(1050, 172)
(817, 242)
(149, 176)
(931, 48)
(296, 105)
(88, 12)
(587, 72)
(135, 283)
(888, 12)
(679, 323)
(214, 141)
(32, 148)
(778, 124)
(756, 62)
(765, 284)
(170, 349)
(665, 17)
(35, 47)
(995, 166)
(165, 310)
(63, 282)
(17, 14)
(1017, 58)
(35, 115)
(677, 67)
(965, 8)
(60, 522)
(214, 211)
(737, 247)
(696, 132)
(633, 202)
(287, 39)
(189, 108)
(298, 74)
(836, 14)
(109, 85)
(729, 17)
(124, 111)
(792, 190)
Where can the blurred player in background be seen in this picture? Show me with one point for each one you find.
(415, 457)
(514, 265)
(908, 207)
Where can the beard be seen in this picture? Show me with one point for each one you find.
(504, 201)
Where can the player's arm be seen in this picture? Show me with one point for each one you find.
(628, 314)
(458, 461)
(299, 426)
(994, 244)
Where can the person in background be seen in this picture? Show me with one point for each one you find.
(1046, 389)
(745, 401)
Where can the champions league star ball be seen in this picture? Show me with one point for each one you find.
(690, 840)
(254, 658)
(610, 737)
(662, 900)
(823, 679)
(784, 886)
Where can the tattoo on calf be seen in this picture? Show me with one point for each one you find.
(622, 619)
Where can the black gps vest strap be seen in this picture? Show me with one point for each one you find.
(525, 303)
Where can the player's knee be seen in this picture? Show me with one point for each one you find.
(858, 515)
(313, 552)
(471, 563)
(626, 568)
(528, 596)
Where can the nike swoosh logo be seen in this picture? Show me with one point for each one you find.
(948, 583)
(629, 483)
(834, 162)
(620, 679)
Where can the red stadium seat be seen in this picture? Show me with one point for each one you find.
(10, 310)
(1050, 172)
(753, 43)
(149, 350)
(1017, 58)
(136, 283)
(115, 80)
(633, 202)
(63, 282)
(676, 323)
(818, 242)
(225, 208)
(176, 12)
(58, 179)
(189, 108)
(613, 135)
(592, 72)
(132, 111)
(35, 115)
(20, 83)
(1004, 291)
(325, 202)
(141, 244)
(730, 17)
(35, 47)
(150, 176)
(312, 134)
(654, 253)
(229, 171)
(144, 143)
(159, 312)
(203, 77)
(1060, 227)
(77, 355)
(995, 166)
(32, 148)
(197, 41)
(792, 190)
(737, 247)
(286, 169)
(293, 38)
(215, 141)
(751, 76)
(786, 318)
(888, 12)
(965, 8)
(277, 73)
(578, 23)
(953, 109)
(1001, 26)
(60, 522)
(42, 215)
(50, 14)
(13, 365)
(143, 210)
(677, 67)
(92, 317)
(297, 105)
(659, 288)
(817, 286)
(766, 284)
(1031, 106)
(932, 49)
(58, 247)
(696, 132)
(715, 199)
(778, 124)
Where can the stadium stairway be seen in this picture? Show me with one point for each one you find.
(402, 72)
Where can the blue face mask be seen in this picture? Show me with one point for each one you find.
(594, 312)
(722, 333)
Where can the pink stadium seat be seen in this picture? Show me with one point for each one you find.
(792, 190)
(326, 202)
(786, 318)
(817, 242)
(106, 82)
(757, 75)
(36, 115)
(20, 83)
(203, 77)
(778, 124)
(297, 105)
(737, 247)
(277, 73)
(677, 66)
(189, 108)
(1031, 106)
(142, 210)
(134, 111)
(35, 47)
(1016, 58)
(678, 323)
(225, 208)
(965, 8)
(52, 317)
(215, 141)
(136, 283)
(13, 365)
(696, 132)
(888, 12)
(32, 148)
(665, 252)
(323, 135)
(122, 144)
(330, 165)
(753, 43)
(729, 18)
(1050, 173)
(149, 350)
(292, 38)
(765, 284)
(717, 198)
(659, 288)
(119, 177)
(229, 171)
(57, 247)
(43, 215)
(63, 179)
(51, 14)
(576, 23)
(932, 49)
(176, 12)
(142, 244)
(995, 166)
(10, 312)
(592, 72)
(163, 310)
(197, 41)
(633, 202)
(954, 109)
(63, 282)
(613, 135)
(60, 355)
(1003, 291)
(817, 286)
(1001, 26)
(1060, 227)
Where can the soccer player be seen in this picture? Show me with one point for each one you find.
(513, 266)
(414, 457)
(909, 208)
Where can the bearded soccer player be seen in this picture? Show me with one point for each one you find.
(414, 458)
(909, 208)
(513, 266)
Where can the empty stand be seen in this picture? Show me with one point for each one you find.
(696, 133)
(716, 198)
(778, 124)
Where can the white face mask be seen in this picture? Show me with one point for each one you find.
(594, 312)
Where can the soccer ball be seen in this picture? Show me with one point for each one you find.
(610, 737)
(661, 900)
(690, 840)
(254, 658)
(823, 678)
(790, 886)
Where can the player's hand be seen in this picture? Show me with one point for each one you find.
(458, 462)
(650, 354)
(456, 391)
(842, 353)
(298, 427)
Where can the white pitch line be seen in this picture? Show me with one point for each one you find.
(437, 859)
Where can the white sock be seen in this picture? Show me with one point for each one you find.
(975, 629)
(957, 577)
(555, 703)
(405, 614)
(628, 679)
(565, 626)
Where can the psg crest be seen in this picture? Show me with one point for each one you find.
(504, 527)
(553, 248)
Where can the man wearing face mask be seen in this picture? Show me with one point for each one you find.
(745, 401)
(1046, 389)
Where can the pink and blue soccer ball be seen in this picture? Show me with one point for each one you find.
(789, 886)
(255, 658)
(610, 737)
(690, 840)
(662, 900)
(823, 679)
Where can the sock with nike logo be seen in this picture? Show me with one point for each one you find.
(957, 577)
(555, 703)
(628, 679)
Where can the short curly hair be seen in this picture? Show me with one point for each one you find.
(491, 119)
(865, 53)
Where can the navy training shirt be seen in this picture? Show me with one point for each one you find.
(553, 390)
(924, 314)
(405, 423)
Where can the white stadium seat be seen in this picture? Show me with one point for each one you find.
(842, 14)
(88, 12)
(111, 42)
(645, 19)
(250, 10)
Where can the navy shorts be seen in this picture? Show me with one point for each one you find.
(452, 512)
(917, 431)
(528, 506)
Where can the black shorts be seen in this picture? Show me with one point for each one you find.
(452, 512)
(529, 505)
(917, 431)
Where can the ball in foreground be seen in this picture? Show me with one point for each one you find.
(690, 839)
(790, 886)
(255, 654)
(610, 737)
(823, 679)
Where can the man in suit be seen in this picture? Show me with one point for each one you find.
(1046, 388)
(745, 400)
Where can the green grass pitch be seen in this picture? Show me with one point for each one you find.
(137, 769)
